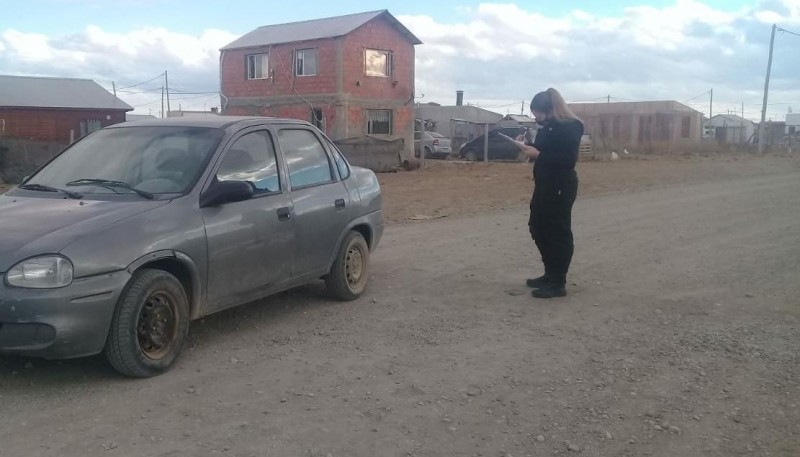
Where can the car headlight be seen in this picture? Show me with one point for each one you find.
(46, 272)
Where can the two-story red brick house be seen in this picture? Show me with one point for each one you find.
(349, 75)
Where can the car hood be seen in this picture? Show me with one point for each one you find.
(32, 226)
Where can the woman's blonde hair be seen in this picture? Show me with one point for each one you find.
(552, 103)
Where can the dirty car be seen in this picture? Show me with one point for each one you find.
(121, 240)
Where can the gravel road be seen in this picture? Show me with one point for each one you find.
(680, 337)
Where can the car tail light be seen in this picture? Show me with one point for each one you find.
(436, 142)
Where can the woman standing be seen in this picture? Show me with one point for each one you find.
(555, 152)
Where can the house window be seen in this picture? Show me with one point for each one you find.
(377, 63)
(306, 62)
(317, 119)
(258, 66)
(686, 126)
(379, 122)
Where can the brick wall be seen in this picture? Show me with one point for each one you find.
(283, 80)
(344, 110)
(51, 125)
(378, 34)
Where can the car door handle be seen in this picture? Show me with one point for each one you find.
(340, 203)
(284, 214)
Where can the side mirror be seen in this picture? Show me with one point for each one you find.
(222, 192)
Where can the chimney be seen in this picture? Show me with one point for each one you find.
(459, 97)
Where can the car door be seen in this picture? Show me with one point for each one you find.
(250, 243)
(320, 200)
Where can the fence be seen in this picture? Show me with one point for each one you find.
(19, 157)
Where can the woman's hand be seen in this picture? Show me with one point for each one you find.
(530, 151)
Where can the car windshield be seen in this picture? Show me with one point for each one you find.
(132, 160)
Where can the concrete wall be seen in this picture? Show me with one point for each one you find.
(52, 125)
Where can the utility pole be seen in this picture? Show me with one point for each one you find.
(421, 138)
(711, 105)
(162, 102)
(762, 128)
(114, 86)
(522, 109)
(609, 99)
(166, 82)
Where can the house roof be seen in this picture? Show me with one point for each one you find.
(38, 92)
(521, 118)
(728, 119)
(315, 29)
(644, 107)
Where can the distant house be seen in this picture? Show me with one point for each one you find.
(349, 75)
(730, 128)
(57, 110)
(138, 117)
(458, 122)
(520, 119)
(793, 124)
(640, 124)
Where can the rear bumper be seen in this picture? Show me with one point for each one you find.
(63, 323)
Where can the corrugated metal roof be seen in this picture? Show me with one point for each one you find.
(313, 30)
(38, 92)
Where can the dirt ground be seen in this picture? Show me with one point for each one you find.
(679, 337)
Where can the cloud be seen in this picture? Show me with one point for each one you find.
(125, 58)
(499, 53)
(504, 52)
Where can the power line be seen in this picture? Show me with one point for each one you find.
(787, 31)
(143, 82)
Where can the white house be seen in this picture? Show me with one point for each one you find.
(730, 128)
(793, 124)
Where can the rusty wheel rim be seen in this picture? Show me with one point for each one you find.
(354, 266)
(157, 327)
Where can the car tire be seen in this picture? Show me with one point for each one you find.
(149, 325)
(471, 155)
(427, 152)
(349, 274)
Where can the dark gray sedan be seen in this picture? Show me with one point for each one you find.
(127, 235)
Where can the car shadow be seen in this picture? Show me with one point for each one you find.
(22, 373)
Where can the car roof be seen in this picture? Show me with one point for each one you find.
(218, 121)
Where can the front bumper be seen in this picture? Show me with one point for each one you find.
(63, 323)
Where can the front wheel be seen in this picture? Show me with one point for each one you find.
(348, 277)
(471, 155)
(149, 326)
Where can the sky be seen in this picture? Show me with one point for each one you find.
(499, 53)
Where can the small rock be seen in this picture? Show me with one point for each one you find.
(674, 429)
(190, 391)
(187, 433)
(234, 360)
(609, 436)
(284, 400)
(658, 428)
(749, 296)
(374, 300)
(697, 418)
(573, 447)
(540, 438)
(633, 440)
(310, 395)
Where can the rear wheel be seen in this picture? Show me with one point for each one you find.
(471, 155)
(349, 274)
(427, 152)
(149, 325)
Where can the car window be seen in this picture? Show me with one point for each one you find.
(159, 160)
(306, 159)
(251, 158)
(341, 163)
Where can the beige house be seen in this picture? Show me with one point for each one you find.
(649, 125)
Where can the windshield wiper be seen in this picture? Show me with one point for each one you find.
(110, 184)
(43, 188)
